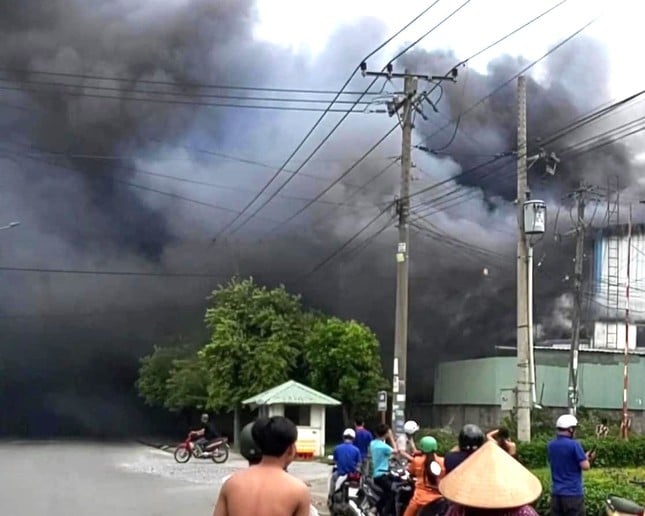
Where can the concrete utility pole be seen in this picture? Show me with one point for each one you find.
(408, 104)
(400, 366)
(523, 351)
(577, 302)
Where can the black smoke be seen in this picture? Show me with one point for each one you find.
(80, 170)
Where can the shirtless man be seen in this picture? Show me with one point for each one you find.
(266, 489)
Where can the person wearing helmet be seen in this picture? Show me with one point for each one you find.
(405, 442)
(347, 457)
(206, 433)
(427, 469)
(274, 491)
(347, 460)
(471, 438)
(567, 461)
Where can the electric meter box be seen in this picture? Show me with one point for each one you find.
(534, 217)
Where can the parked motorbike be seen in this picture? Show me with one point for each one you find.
(217, 451)
(616, 506)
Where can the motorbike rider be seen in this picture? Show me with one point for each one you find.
(567, 461)
(491, 483)
(206, 434)
(347, 460)
(274, 490)
(503, 438)
(470, 439)
(427, 469)
(405, 442)
(347, 457)
(381, 452)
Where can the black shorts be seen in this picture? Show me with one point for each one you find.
(567, 505)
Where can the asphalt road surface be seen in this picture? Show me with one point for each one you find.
(69, 479)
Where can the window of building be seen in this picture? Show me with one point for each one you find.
(299, 414)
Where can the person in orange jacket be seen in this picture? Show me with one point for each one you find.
(427, 468)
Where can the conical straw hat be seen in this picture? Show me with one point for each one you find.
(491, 479)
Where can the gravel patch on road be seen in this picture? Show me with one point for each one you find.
(198, 471)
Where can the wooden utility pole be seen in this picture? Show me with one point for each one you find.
(523, 389)
(577, 301)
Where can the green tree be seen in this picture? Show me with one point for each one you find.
(156, 369)
(187, 385)
(257, 335)
(343, 361)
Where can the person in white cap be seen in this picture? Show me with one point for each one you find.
(490, 483)
(567, 460)
(405, 442)
(347, 457)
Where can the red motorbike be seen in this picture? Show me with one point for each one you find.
(216, 450)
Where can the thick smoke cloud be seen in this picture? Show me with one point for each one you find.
(70, 343)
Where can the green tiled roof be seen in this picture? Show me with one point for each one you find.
(291, 393)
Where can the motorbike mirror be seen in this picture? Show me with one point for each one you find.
(435, 468)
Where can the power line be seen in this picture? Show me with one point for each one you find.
(178, 94)
(177, 178)
(99, 272)
(344, 246)
(511, 79)
(185, 102)
(337, 180)
(336, 126)
(180, 85)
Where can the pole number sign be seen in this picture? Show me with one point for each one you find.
(381, 401)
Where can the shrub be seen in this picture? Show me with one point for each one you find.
(599, 484)
(611, 453)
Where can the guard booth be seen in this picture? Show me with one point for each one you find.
(302, 405)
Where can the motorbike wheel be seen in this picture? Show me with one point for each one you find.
(220, 454)
(182, 454)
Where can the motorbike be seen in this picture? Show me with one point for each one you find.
(616, 506)
(344, 495)
(402, 487)
(217, 451)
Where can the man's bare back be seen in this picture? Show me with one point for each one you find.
(263, 490)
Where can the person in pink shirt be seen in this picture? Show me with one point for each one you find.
(490, 483)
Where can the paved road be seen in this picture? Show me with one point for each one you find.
(69, 479)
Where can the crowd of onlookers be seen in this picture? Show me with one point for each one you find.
(479, 476)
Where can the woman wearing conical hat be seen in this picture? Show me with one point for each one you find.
(491, 483)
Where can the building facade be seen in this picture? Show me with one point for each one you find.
(474, 390)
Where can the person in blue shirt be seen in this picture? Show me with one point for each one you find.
(362, 442)
(381, 452)
(567, 461)
(347, 457)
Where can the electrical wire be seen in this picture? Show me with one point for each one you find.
(313, 128)
(174, 93)
(326, 138)
(344, 246)
(511, 79)
(102, 272)
(219, 186)
(187, 85)
(186, 102)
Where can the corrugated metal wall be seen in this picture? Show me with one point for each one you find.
(480, 382)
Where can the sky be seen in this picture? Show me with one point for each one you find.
(307, 26)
